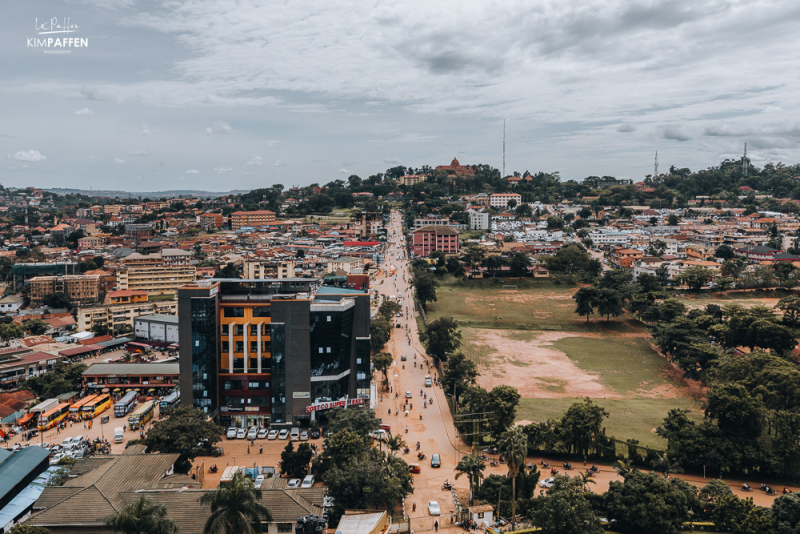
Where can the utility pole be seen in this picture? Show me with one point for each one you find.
(504, 148)
(655, 169)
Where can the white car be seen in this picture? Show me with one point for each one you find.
(409, 395)
(433, 508)
(259, 481)
(304, 435)
(547, 483)
(241, 433)
(294, 483)
(231, 433)
(262, 433)
(295, 434)
(284, 434)
(252, 433)
(273, 434)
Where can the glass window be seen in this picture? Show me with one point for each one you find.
(253, 385)
(232, 402)
(261, 311)
(234, 312)
(225, 347)
(232, 384)
(284, 527)
(254, 347)
(239, 347)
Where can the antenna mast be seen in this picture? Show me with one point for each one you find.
(504, 148)
(745, 161)
(655, 169)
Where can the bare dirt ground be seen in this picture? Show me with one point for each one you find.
(537, 369)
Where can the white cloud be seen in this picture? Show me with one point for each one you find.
(392, 161)
(344, 171)
(29, 156)
(272, 142)
(192, 171)
(280, 163)
(145, 130)
(675, 133)
(255, 161)
(139, 152)
(219, 127)
(220, 170)
(119, 160)
(94, 156)
(84, 111)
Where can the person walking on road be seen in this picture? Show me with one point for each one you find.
(436, 526)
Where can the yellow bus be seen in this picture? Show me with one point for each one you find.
(143, 414)
(53, 416)
(75, 409)
(96, 406)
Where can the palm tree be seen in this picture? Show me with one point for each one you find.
(623, 468)
(586, 478)
(665, 465)
(473, 467)
(142, 517)
(513, 445)
(235, 508)
(394, 443)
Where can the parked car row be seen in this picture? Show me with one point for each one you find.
(255, 432)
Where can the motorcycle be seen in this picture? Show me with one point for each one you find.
(447, 486)
(406, 429)
(495, 463)
(421, 456)
(747, 488)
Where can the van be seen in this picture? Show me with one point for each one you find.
(428, 381)
(119, 435)
(307, 482)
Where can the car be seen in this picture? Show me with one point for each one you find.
(295, 434)
(428, 381)
(326, 433)
(252, 433)
(398, 314)
(273, 434)
(262, 433)
(57, 458)
(436, 460)
(284, 434)
(241, 433)
(308, 481)
(547, 483)
(398, 325)
(294, 483)
(259, 481)
(403, 358)
(315, 433)
(409, 395)
(377, 434)
(304, 435)
(232, 433)
(433, 508)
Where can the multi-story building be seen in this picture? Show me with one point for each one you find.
(346, 264)
(21, 272)
(412, 179)
(434, 238)
(126, 296)
(155, 279)
(251, 218)
(118, 315)
(259, 351)
(81, 289)
(367, 224)
(139, 231)
(501, 200)
(260, 270)
(156, 327)
(478, 220)
(431, 221)
(209, 221)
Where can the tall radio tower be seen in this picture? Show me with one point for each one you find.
(655, 169)
(504, 148)
(745, 161)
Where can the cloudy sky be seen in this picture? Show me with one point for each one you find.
(223, 94)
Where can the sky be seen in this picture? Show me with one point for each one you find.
(239, 94)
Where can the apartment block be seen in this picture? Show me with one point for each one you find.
(118, 315)
(260, 270)
(251, 218)
(155, 279)
(81, 289)
(501, 200)
(434, 238)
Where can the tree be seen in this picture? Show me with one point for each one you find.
(501, 402)
(786, 511)
(360, 422)
(441, 338)
(519, 264)
(36, 327)
(672, 220)
(57, 300)
(656, 248)
(187, 432)
(741, 516)
(610, 302)
(586, 300)
(666, 466)
(696, 277)
(724, 252)
(100, 329)
(235, 508)
(494, 263)
(565, 509)
(581, 425)
(229, 271)
(389, 309)
(394, 443)
(472, 466)
(28, 529)
(736, 411)
(425, 286)
(646, 502)
(513, 446)
(295, 463)
(461, 373)
(382, 361)
(790, 306)
(142, 517)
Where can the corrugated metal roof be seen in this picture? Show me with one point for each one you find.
(161, 369)
(18, 466)
(158, 317)
(115, 342)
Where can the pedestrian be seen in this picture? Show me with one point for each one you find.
(253, 442)
(414, 507)
(248, 449)
(436, 526)
(260, 449)
(84, 424)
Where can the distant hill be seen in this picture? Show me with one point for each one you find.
(174, 193)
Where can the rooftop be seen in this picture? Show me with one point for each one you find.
(97, 369)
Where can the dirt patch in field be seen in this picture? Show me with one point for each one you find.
(549, 372)
(516, 296)
(744, 303)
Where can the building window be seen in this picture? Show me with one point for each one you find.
(234, 312)
(284, 527)
(261, 311)
(239, 347)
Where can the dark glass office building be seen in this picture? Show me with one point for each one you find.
(255, 352)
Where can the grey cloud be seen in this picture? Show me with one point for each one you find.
(280, 163)
(392, 161)
(626, 128)
(219, 127)
(675, 133)
(139, 153)
(30, 156)
(84, 111)
(91, 93)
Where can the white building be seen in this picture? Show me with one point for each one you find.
(478, 220)
(156, 327)
(608, 237)
(10, 304)
(500, 200)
